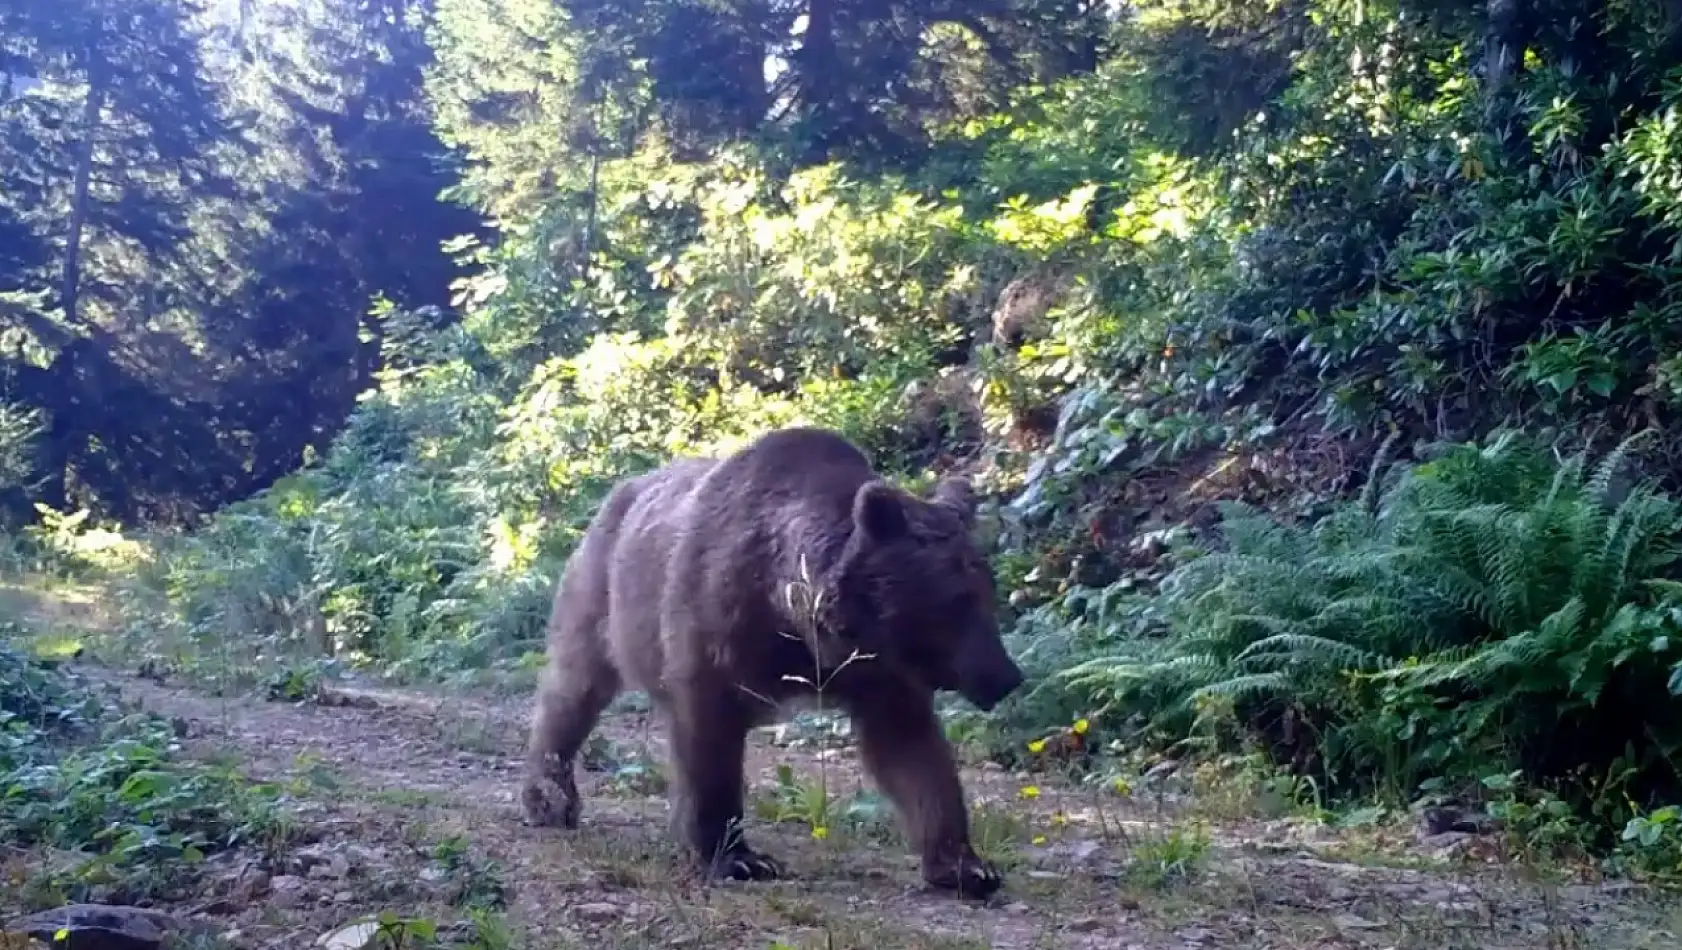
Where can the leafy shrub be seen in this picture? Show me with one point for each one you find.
(80, 779)
(1495, 607)
(35, 704)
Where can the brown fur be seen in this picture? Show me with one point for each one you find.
(725, 587)
(1019, 317)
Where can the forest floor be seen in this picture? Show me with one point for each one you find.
(405, 802)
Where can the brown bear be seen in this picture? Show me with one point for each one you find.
(725, 588)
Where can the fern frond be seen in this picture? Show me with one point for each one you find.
(1244, 687)
(1302, 649)
(1600, 482)
(1376, 471)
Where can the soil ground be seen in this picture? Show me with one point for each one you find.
(387, 780)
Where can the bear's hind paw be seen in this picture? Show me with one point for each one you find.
(970, 876)
(745, 864)
(547, 805)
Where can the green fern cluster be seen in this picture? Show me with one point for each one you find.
(1493, 607)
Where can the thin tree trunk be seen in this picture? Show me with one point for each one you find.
(1672, 50)
(1502, 44)
(590, 219)
(71, 289)
(819, 71)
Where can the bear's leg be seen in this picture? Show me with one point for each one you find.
(906, 752)
(709, 743)
(574, 691)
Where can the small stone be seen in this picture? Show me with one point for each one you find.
(345, 897)
(599, 912)
(331, 867)
(99, 926)
(363, 856)
(1450, 844)
(310, 854)
(1076, 852)
(1195, 936)
(1352, 922)
(1016, 908)
(288, 891)
(1085, 925)
(353, 937)
(1162, 769)
(252, 885)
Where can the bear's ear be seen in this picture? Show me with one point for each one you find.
(958, 494)
(879, 511)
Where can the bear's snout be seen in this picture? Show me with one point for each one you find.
(987, 679)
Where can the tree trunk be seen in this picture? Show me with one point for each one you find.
(1672, 50)
(1502, 43)
(819, 71)
(590, 221)
(71, 289)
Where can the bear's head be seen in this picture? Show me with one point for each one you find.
(914, 586)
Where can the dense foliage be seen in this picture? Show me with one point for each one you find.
(1494, 609)
(1224, 301)
(109, 791)
(196, 205)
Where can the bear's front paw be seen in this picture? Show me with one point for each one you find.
(742, 863)
(549, 804)
(967, 874)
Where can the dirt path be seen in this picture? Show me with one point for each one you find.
(387, 774)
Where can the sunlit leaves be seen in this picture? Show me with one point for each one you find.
(1046, 227)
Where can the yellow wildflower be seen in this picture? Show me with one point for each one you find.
(1059, 819)
(1121, 787)
(1031, 791)
(1036, 746)
(820, 832)
(1081, 725)
(1039, 839)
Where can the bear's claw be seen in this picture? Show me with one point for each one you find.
(745, 864)
(970, 876)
